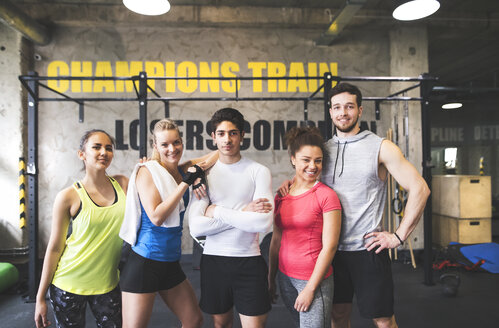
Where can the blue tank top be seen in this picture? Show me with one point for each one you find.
(160, 243)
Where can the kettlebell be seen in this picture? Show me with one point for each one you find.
(450, 284)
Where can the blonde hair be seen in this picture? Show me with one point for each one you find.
(162, 125)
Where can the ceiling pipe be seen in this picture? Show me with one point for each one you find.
(339, 21)
(18, 20)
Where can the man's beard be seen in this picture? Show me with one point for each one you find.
(349, 127)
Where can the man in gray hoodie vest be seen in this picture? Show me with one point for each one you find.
(356, 169)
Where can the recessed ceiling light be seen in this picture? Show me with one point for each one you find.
(148, 7)
(452, 106)
(415, 9)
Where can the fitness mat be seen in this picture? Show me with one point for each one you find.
(487, 251)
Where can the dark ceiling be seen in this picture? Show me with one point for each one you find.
(463, 34)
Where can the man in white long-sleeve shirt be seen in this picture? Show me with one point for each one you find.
(240, 205)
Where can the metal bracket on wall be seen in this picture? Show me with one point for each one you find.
(81, 112)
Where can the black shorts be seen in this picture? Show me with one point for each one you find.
(367, 275)
(143, 275)
(240, 281)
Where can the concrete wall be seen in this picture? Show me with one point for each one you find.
(14, 57)
(99, 51)
(409, 57)
(60, 130)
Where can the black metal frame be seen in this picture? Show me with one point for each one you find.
(32, 172)
(31, 82)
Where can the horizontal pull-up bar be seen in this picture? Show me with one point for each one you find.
(222, 78)
(143, 77)
(227, 99)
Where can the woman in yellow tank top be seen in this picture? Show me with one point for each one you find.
(84, 267)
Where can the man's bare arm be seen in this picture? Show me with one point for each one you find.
(409, 178)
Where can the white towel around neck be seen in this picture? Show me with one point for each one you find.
(165, 184)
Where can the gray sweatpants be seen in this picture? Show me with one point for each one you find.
(319, 313)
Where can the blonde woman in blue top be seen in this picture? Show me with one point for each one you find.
(158, 195)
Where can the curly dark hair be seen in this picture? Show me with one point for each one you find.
(298, 137)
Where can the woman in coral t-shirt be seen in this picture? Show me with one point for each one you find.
(306, 232)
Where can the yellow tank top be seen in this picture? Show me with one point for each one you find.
(89, 263)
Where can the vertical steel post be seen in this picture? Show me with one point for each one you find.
(305, 111)
(32, 172)
(425, 90)
(167, 109)
(143, 114)
(328, 82)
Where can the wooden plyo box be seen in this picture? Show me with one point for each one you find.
(462, 196)
(463, 231)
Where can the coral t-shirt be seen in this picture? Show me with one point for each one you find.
(301, 220)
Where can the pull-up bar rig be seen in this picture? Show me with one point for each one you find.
(32, 83)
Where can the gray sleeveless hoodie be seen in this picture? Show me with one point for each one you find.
(351, 170)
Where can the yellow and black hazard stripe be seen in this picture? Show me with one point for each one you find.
(22, 198)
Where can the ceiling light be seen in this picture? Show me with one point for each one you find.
(148, 7)
(452, 105)
(415, 9)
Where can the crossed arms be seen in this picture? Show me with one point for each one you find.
(207, 219)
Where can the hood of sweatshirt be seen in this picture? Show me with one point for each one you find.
(359, 136)
(345, 141)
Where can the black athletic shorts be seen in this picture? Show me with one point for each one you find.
(143, 275)
(240, 281)
(367, 275)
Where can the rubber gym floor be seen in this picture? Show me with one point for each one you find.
(416, 305)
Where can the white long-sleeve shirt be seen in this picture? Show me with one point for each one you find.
(233, 232)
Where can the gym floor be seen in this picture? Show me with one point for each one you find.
(416, 305)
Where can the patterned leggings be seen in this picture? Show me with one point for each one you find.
(69, 308)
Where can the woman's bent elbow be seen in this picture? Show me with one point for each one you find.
(156, 221)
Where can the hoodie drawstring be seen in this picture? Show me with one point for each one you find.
(336, 161)
(342, 160)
